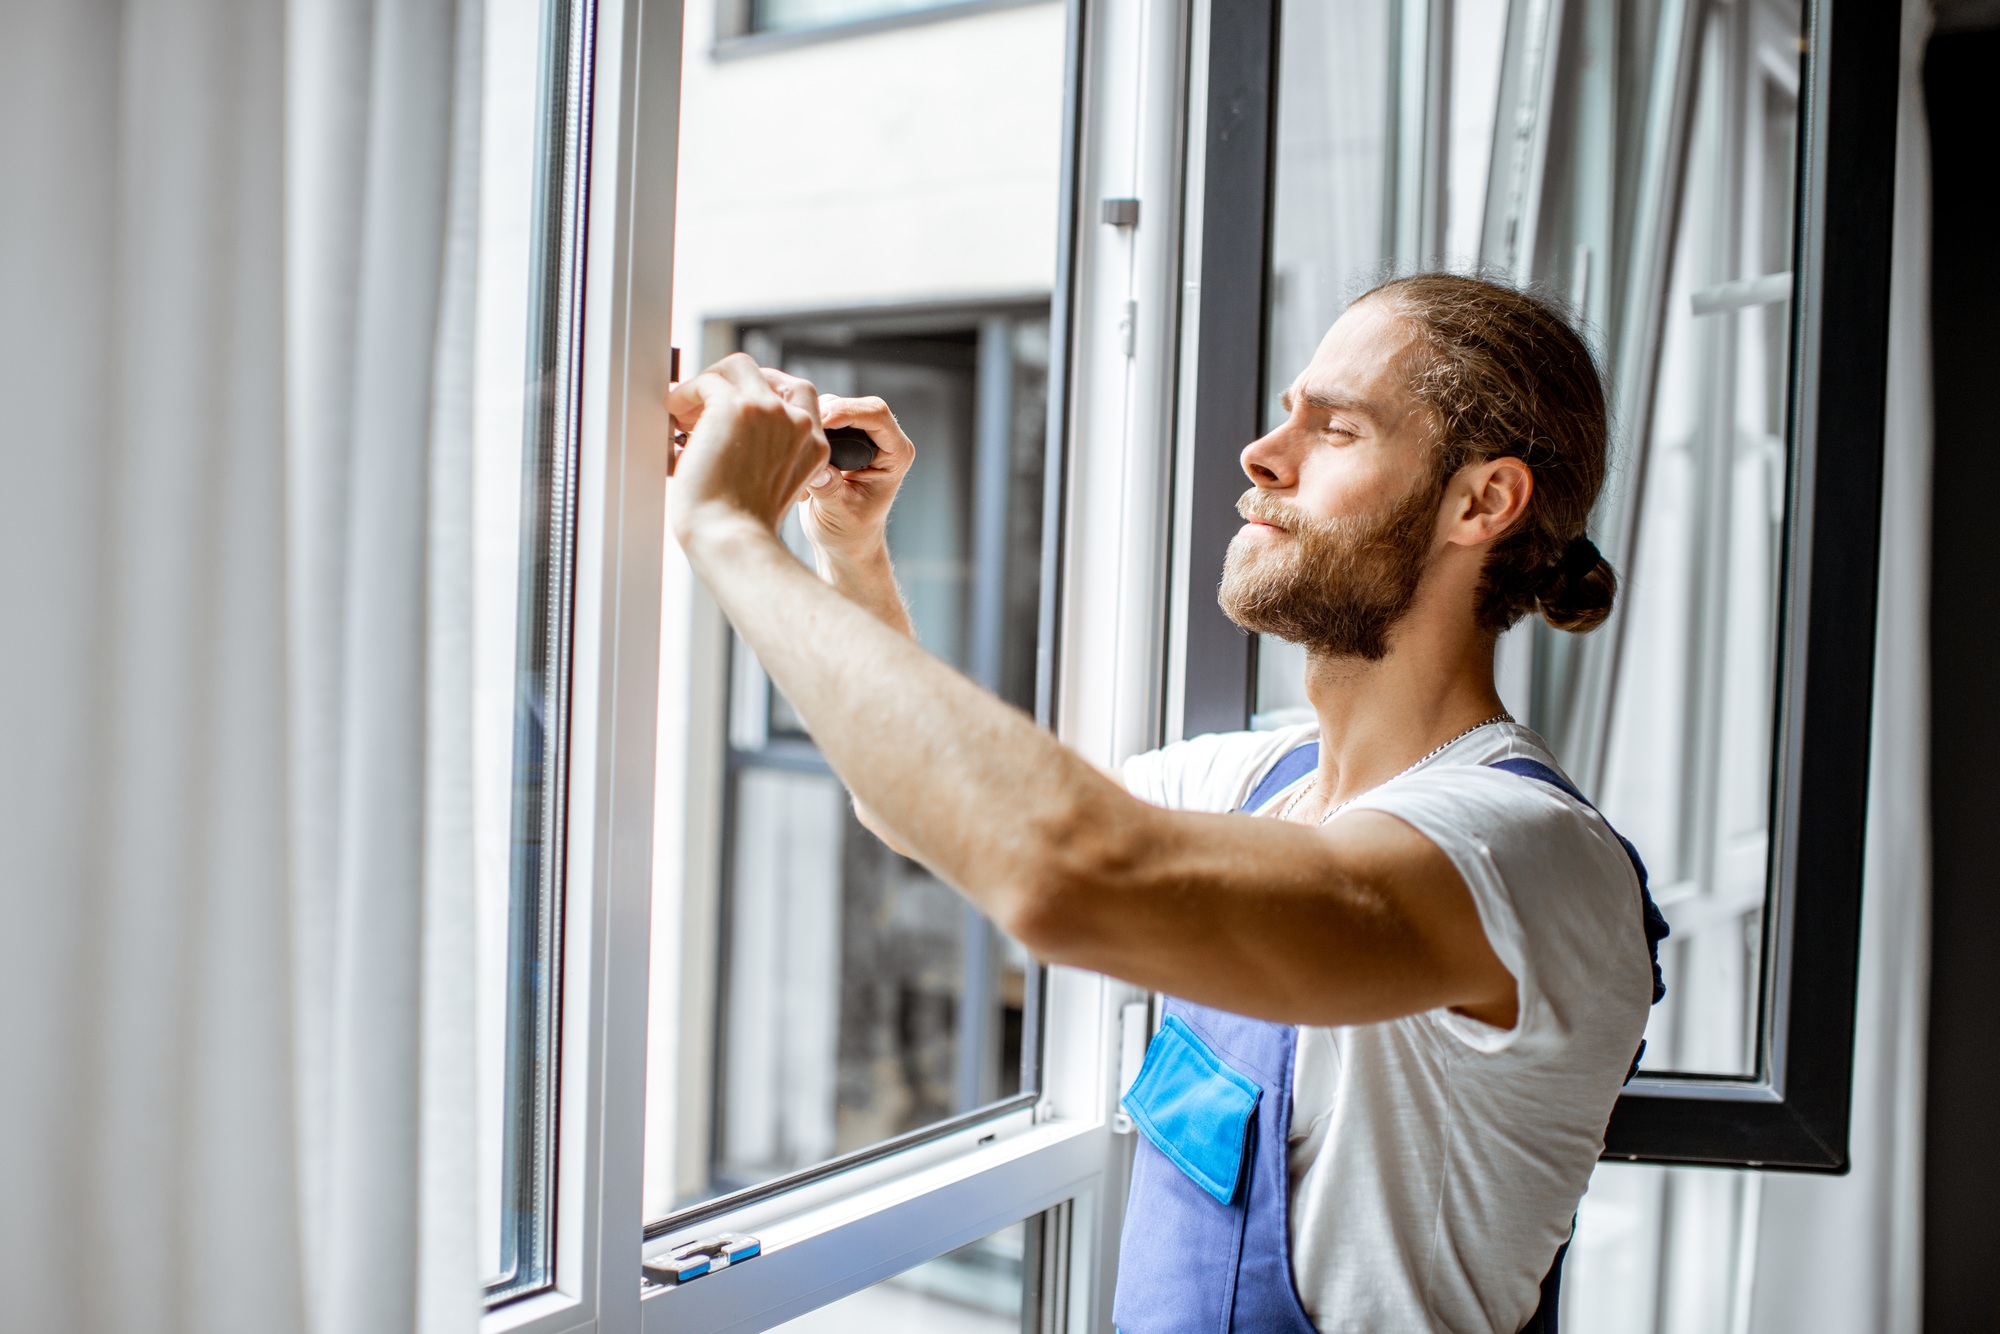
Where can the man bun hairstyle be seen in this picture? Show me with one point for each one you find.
(1504, 373)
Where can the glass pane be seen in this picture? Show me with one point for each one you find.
(1558, 168)
(862, 999)
(976, 1289)
(523, 476)
(1688, 761)
(815, 993)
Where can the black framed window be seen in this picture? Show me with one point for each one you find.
(1708, 185)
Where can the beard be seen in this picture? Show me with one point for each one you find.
(1339, 586)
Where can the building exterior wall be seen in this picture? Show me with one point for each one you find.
(915, 164)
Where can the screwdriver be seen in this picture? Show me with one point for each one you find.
(849, 448)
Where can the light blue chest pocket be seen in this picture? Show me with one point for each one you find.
(1194, 1108)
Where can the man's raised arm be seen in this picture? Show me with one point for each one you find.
(1364, 922)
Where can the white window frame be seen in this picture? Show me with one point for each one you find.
(633, 110)
(838, 1234)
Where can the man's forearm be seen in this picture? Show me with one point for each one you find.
(1265, 917)
(870, 581)
(970, 785)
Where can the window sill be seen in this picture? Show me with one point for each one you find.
(838, 1245)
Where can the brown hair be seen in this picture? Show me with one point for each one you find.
(1505, 374)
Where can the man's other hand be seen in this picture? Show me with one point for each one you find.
(751, 447)
(846, 515)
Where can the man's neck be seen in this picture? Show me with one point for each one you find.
(1378, 718)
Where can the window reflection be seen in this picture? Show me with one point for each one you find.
(907, 249)
(860, 997)
(1689, 750)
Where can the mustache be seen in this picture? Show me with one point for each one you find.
(1261, 505)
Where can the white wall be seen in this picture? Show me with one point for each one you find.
(914, 164)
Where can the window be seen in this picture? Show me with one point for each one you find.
(859, 998)
(525, 474)
(1646, 165)
(845, 1062)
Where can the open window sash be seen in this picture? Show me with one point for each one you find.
(830, 1233)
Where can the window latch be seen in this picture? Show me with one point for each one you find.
(692, 1259)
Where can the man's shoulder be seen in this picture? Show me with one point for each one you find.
(1213, 771)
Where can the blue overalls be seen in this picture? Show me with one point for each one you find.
(1207, 1243)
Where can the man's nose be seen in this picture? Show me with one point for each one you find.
(1270, 461)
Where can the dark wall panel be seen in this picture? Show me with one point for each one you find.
(1962, 1174)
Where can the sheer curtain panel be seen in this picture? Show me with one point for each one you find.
(235, 258)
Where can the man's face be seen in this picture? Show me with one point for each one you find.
(1342, 520)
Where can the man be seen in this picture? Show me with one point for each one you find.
(1410, 964)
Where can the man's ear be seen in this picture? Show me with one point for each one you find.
(1493, 494)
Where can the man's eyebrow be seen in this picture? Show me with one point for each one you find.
(1326, 402)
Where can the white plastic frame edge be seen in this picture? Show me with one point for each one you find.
(877, 1221)
(619, 532)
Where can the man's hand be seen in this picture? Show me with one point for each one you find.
(847, 514)
(751, 448)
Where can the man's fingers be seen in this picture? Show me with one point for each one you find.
(736, 377)
(795, 391)
(733, 381)
(742, 370)
(873, 416)
(837, 410)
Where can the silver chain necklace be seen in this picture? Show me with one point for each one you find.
(1501, 717)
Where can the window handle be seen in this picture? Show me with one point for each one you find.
(692, 1259)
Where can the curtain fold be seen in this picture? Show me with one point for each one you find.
(235, 342)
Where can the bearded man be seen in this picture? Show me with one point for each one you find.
(1409, 962)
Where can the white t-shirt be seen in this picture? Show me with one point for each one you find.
(1436, 1161)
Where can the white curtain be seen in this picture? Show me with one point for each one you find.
(235, 259)
(1839, 1254)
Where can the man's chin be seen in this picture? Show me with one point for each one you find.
(1259, 551)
